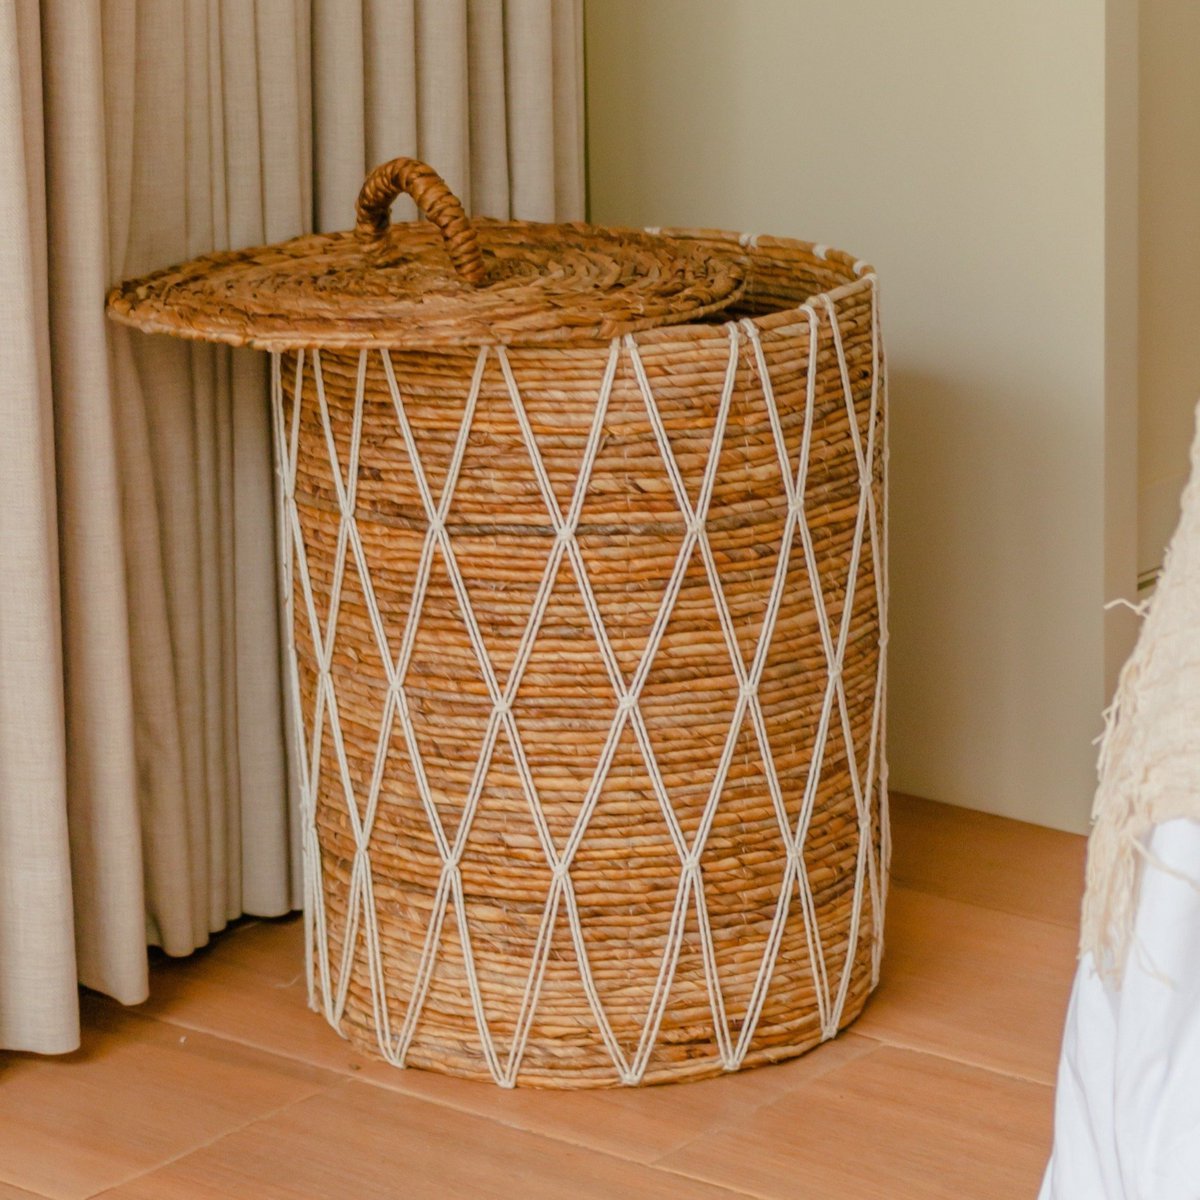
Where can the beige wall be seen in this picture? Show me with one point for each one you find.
(962, 148)
(1169, 373)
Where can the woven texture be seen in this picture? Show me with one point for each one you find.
(449, 282)
(589, 672)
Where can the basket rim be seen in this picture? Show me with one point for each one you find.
(547, 284)
(124, 308)
(862, 276)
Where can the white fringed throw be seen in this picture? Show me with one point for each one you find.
(1150, 756)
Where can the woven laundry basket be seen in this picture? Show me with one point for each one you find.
(583, 555)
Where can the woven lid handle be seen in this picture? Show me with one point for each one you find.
(431, 195)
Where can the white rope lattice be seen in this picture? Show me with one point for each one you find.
(323, 732)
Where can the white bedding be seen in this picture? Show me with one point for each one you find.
(1127, 1111)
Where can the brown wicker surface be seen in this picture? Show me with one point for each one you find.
(585, 806)
(446, 282)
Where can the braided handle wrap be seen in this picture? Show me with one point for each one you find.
(431, 195)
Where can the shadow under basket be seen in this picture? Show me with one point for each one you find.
(587, 664)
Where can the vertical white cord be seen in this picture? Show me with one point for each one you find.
(870, 528)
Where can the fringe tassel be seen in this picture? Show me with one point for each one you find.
(1149, 758)
(1121, 819)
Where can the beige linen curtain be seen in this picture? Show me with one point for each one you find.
(144, 793)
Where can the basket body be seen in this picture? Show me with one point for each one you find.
(589, 686)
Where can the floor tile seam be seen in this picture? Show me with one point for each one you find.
(723, 1188)
(876, 1046)
(897, 884)
(522, 1125)
(647, 1164)
(24, 1189)
(748, 1109)
(343, 1073)
(199, 1148)
(943, 1056)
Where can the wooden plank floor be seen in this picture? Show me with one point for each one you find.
(224, 1085)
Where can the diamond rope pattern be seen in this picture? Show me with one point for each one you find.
(319, 727)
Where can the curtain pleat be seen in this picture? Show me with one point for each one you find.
(528, 54)
(102, 766)
(490, 182)
(390, 66)
(145, 790)
(35, 892)
(339, 118)
(569, 141)
(443, 118)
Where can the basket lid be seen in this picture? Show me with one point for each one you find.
(448, 281)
